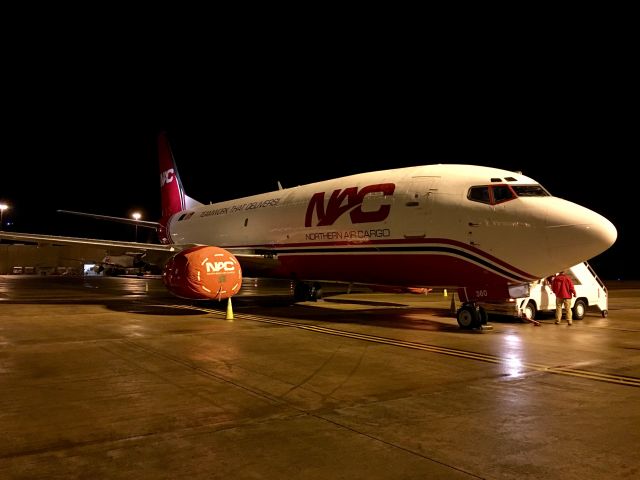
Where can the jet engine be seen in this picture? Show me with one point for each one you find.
(203, 273)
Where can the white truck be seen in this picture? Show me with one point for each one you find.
(590, 292)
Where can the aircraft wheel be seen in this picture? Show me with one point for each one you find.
(605, 313)
(304, 292)
(579, 309)
(530, 311)
(316, 292)
(468, 317)
(301, 292)
(483, 316)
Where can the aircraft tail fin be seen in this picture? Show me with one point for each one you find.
(172, 193)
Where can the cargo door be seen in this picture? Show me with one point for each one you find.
(420, 199)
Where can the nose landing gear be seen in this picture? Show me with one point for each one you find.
(472, 316)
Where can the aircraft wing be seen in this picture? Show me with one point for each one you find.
(123, 247)
(252, 262)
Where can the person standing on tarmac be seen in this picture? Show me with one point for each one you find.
(563, 287)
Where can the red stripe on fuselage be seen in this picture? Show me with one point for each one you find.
(390, 242)
(406, 270)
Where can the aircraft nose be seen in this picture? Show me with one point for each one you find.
(577, 231)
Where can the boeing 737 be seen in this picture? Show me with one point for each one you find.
(485, 231)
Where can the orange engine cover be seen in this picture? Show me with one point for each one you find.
(203, 273)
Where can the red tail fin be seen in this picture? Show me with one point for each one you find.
(173, 197)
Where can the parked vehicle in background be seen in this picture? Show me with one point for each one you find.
(590, 292)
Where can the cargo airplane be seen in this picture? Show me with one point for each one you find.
(485, 231)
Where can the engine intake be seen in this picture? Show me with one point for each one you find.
(203, 273)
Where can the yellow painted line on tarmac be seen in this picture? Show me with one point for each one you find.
(483, 357)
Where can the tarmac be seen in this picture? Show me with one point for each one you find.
(115, 378)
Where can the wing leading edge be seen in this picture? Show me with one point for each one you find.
(157, 254)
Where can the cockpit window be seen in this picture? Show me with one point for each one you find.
(479, 194)
(502, 193)
(530, 191)
(494, 194)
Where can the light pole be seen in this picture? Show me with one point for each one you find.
(3, 207)
(136, 216)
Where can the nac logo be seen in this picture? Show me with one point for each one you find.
(347, 200)
(166, 177)
(217, 267)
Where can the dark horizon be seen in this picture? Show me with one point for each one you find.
(121, 175)
(96, 152)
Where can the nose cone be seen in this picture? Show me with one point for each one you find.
(576, 232)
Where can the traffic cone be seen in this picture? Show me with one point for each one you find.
(229, 309)
(445, 292)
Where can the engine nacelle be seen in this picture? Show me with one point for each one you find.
(203, 273)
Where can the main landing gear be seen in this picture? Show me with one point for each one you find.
(307, 292)
(471, 316)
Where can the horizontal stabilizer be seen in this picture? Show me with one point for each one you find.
(129, 221)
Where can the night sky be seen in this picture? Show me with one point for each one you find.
(89, 145)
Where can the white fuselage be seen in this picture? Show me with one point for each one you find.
(409, 226)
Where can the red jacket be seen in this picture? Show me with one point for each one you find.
(562, 286)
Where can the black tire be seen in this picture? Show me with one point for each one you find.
(579, 309)
(468, 317)
(301, 292)
(307, 292)
(530, 310)
(316, 292)
(605, 313)
(483, 316)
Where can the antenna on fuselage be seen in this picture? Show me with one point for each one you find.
(280, 186)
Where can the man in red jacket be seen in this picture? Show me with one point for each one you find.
(562, 286)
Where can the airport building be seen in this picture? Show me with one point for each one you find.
(48, 260)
